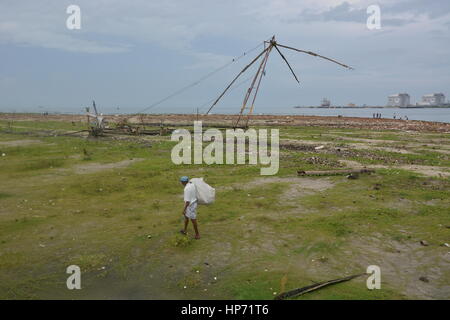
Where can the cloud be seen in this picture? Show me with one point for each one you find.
(198, 36)
(175, 25)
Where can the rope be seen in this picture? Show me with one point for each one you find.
(231, 89)
(177, 92)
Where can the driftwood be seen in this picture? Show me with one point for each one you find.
(313, 287)
(333, 172)
(73, 132)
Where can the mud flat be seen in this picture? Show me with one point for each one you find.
(257, 120)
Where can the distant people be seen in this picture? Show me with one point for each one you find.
(373, 115)
(406, 118)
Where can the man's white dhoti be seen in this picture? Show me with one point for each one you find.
(191, 211)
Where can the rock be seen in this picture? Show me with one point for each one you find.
(424, 243)
(424, 279)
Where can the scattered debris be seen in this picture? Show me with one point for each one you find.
(323, 161)
(353, 176)
(319, 147)
(296, 146)
(424, 243)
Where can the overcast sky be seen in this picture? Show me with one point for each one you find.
(130, 54)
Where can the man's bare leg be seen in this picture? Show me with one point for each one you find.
(186, 222)
(194, 223)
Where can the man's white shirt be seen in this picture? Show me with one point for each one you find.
(190, 194)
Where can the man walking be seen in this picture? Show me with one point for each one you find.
(190, 206)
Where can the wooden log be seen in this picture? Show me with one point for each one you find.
(334, 172)
(313, 287)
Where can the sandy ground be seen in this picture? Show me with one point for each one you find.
(96, 167)
(429, 171)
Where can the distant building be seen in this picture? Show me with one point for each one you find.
(398, 100)
(325, 103)
(433, 99)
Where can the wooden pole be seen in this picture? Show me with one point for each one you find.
(315, 55)
(333, 172)
(234, 80)
(257, 90)
(252, 85)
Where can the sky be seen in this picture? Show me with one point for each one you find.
(128, 55)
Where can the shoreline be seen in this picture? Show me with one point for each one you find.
(374, 107)
(256, 120)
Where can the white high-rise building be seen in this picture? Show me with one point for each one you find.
(398, 100)
(433, 99)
